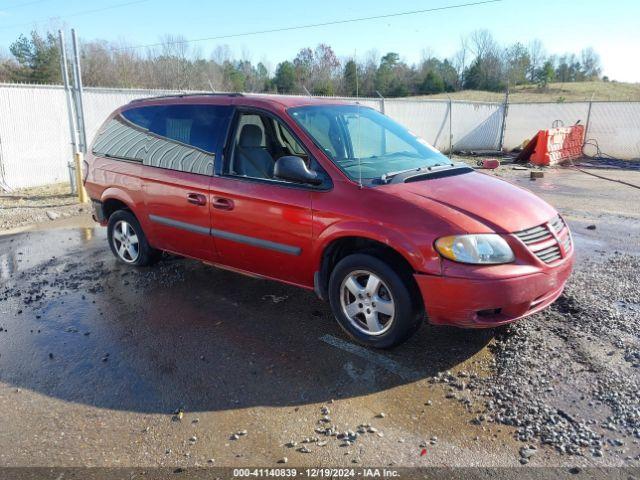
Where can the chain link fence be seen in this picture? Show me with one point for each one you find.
(35, 147)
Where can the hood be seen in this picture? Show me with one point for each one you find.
(490, 201)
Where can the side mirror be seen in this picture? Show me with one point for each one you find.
(294, 169)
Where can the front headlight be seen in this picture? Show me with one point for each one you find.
(486, 248)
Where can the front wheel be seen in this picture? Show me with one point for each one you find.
(375, 304)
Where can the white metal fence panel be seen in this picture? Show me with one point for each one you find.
(476, 126)
(35, 142)
(615, 126)
(429, 120)
(525, 119)
(367, 102)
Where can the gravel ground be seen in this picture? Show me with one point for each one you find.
(570, 377)
(101, 364)
(36, 205)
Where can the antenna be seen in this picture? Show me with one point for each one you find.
(355, 53)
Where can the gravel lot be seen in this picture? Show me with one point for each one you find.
(37, 205)
(184, 365)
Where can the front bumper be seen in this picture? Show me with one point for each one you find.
(474, 303)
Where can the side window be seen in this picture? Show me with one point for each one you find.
(125, 136)
(184, 137)
(258, 142)
(175, 137)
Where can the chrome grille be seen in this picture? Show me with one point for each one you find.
(534, 235)
(557, 224)
(549, 254)
(541, 240)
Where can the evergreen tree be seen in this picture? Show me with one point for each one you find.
(38, 59)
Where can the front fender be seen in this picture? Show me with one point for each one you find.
(417, 251)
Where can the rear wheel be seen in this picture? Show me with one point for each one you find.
(371, 301)
(127, 240)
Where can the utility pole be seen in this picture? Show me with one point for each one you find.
(70, 113)
(81, 132)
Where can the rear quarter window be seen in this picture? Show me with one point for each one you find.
(175, 137)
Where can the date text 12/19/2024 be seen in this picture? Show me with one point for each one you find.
(316, 472)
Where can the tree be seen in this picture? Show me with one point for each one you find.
(263, 82)
(545, 75)
(317, 70)
(432, 83)
(436, 76)
(481, 63)
(303, 63)
(234, 77)
(590, 64)
(517, 64)
(459, 61)
(325, 70)
(5, 67)
(393, 78)
(350, 76)
(537, 58)
(485, 72)
(38, 58)
(285, 79)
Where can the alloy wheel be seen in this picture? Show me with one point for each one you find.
(367, 302)
(126, 241)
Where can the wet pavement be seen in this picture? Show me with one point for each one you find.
(106, 365)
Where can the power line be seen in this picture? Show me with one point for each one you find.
(76, 14)
(311, 25)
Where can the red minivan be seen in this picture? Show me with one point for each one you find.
(330, 196)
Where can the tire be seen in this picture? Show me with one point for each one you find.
(389, 311)
(128, 241)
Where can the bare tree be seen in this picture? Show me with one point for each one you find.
(537, 57)
(5, 64)
(460, 60)
(590, 64)
(517, 64)
(482, 44)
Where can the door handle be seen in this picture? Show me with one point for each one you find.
(196, 199)
(222, 203)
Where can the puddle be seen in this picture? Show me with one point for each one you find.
(22, 251)
(583, 242)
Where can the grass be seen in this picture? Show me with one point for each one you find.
(555, 92)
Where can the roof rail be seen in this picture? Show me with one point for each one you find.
(183, 95)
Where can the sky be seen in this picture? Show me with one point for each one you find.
(612, 28)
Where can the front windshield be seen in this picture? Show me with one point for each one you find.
(364, 143)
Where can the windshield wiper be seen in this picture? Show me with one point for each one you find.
(387, 177)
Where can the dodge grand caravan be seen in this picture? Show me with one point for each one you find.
(330, 196)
